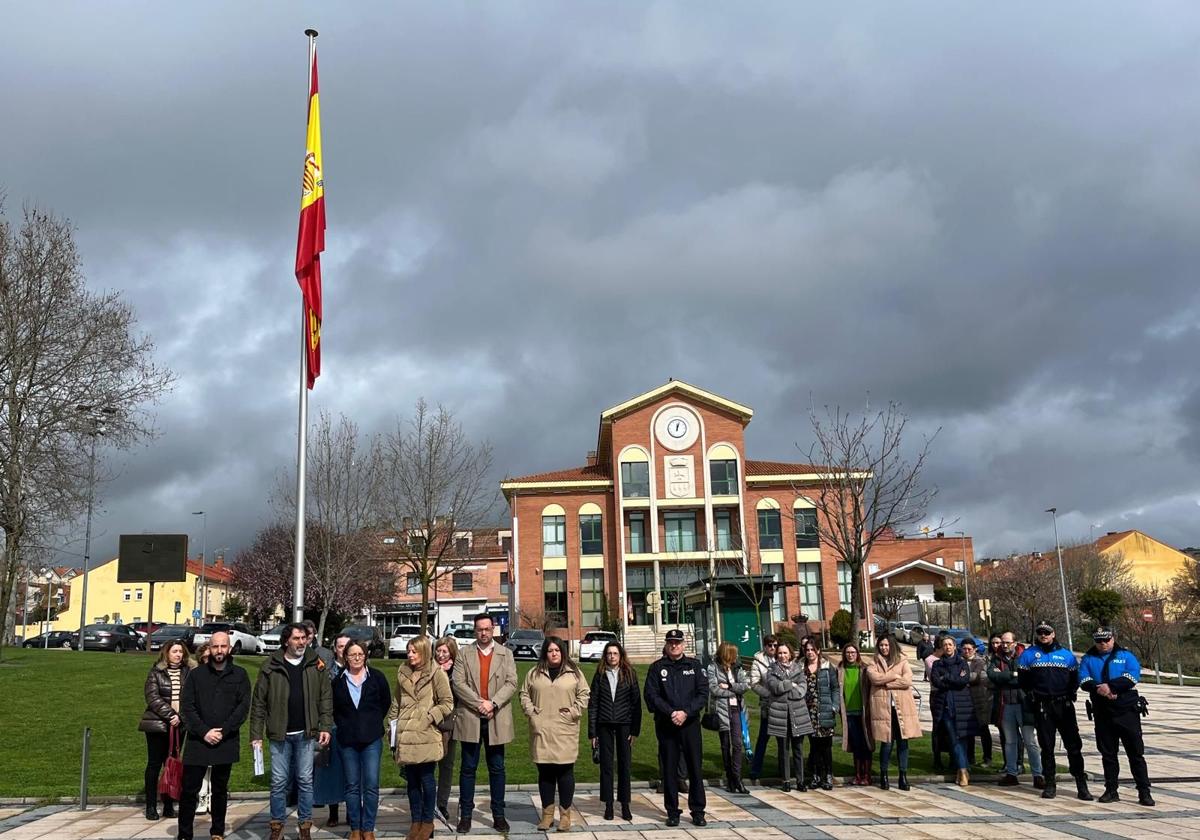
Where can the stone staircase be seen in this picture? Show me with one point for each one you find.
(645, 644)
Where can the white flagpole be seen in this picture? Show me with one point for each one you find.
(302, 430)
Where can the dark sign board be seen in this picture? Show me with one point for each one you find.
(152, 558)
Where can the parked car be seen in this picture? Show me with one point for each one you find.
(591, 649)
(960, 633)
(170, 632)
(54, 639)
(908, 631)
(880, 626)
(270, 640)
(144, 628)
(370, 637)
(241, 640)
(115, 637)
(461, 631)
(398, 644)
(526, 643)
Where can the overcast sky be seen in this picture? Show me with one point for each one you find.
(989, 212)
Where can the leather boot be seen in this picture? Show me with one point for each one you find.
(276, 830)
(414, 828)
(626, 813)
(1081, 789)
(547, 820)
(426, 831)
(963, 777)
(902, 781)
(1051, 788)
(305, 830)
(368, 835)
(355, 834)
(564, 820)
(884, 784)
(608, 810)
(151, 810)
(168, 809)
(867, 771)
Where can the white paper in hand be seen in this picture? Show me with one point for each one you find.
(259, 769)
(392, 736)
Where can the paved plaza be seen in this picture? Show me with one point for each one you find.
(933, 809)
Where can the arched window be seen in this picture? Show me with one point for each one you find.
(591, 533)
(554, 531)
(770, 529)
(805, 514)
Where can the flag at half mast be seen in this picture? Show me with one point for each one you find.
(311, 239)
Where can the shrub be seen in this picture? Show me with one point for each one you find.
(788, 636)
(841, 627)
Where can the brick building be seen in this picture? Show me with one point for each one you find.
(923, 562)
(667, 497)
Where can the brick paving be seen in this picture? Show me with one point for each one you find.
(931, 810)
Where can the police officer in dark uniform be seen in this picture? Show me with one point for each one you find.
(676, 694)
(1049, 675)
(1110, 674)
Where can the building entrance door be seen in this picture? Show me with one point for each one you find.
(639, 582)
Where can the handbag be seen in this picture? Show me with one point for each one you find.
(709, 721)
(170, 781)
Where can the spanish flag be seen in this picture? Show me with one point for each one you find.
(311, 240)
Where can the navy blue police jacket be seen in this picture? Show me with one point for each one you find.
(1049, 671)
(1124, 671)
(674, 684)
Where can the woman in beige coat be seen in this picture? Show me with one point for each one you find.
(890, 708)
(555, 698)
(421, 701)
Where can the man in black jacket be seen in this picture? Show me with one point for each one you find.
(213, 704)
(676, 694)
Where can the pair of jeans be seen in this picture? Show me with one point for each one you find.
(985, 744)
(292, 760)
(193, 777)
(1014, 729)
(556, 778)
(953, 744)
(422, 790)
(856, 730)
(445, 771)
(760, 743)
(361, 768)
(885, 748)
(733, 751)
(466, 774)
(614, 748)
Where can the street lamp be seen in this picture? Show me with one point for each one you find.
(203, 561)
(96, 415)
(1062, 578)
(966, 576)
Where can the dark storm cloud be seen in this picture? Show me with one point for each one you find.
(539, 210)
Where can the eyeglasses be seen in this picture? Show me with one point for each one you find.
(359, 655)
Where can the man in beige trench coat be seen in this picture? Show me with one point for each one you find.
(484, 682)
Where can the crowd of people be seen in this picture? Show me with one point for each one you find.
(324, 718)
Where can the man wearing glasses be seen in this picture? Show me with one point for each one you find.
(1014, 712)
(1110, 674)
(677, 693)
(1049, 675)
(758, 670)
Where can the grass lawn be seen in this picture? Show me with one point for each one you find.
(48, 697)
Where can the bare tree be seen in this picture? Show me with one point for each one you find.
(262, 573)
(61, 347)
(888, 600)
(436, 489)
(866, 487)
(1023, 591)
(1185, 591)
(343, 481)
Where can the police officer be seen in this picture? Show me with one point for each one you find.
(1049, 675)
(1110, 674)
(676, 694)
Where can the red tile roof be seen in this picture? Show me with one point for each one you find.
(779, 468)
(1109, 540)
(214, 572)
(598, 472)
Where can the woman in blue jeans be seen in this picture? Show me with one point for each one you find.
(952, 706)
(361, 698)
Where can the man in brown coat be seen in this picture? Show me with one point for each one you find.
(484, 683)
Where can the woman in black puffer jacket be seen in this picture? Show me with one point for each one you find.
(614, 721)
(951, 704)
(164, 685)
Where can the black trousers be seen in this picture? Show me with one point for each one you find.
(794, 744)
(985, 743)
(193, 777)
(1124, 726)
(733, 751)
(158, 746)
(675, 742)
(820, 757)
(1057, 716)
(614, 744)
(556, 778)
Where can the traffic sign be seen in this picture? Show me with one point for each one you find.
(1148, 616)
(178, 607)
(195, 613)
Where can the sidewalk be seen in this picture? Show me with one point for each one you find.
(931, 809)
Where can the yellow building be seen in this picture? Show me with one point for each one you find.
(1152, 562)
(110, 602)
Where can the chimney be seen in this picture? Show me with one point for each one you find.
(591, 458)
(1112, 533)
(941, 534)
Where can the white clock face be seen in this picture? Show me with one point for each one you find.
(677, 427)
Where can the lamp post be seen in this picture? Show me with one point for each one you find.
(962, 536)
(95, 415)
(1062, 577)
(203, 560)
